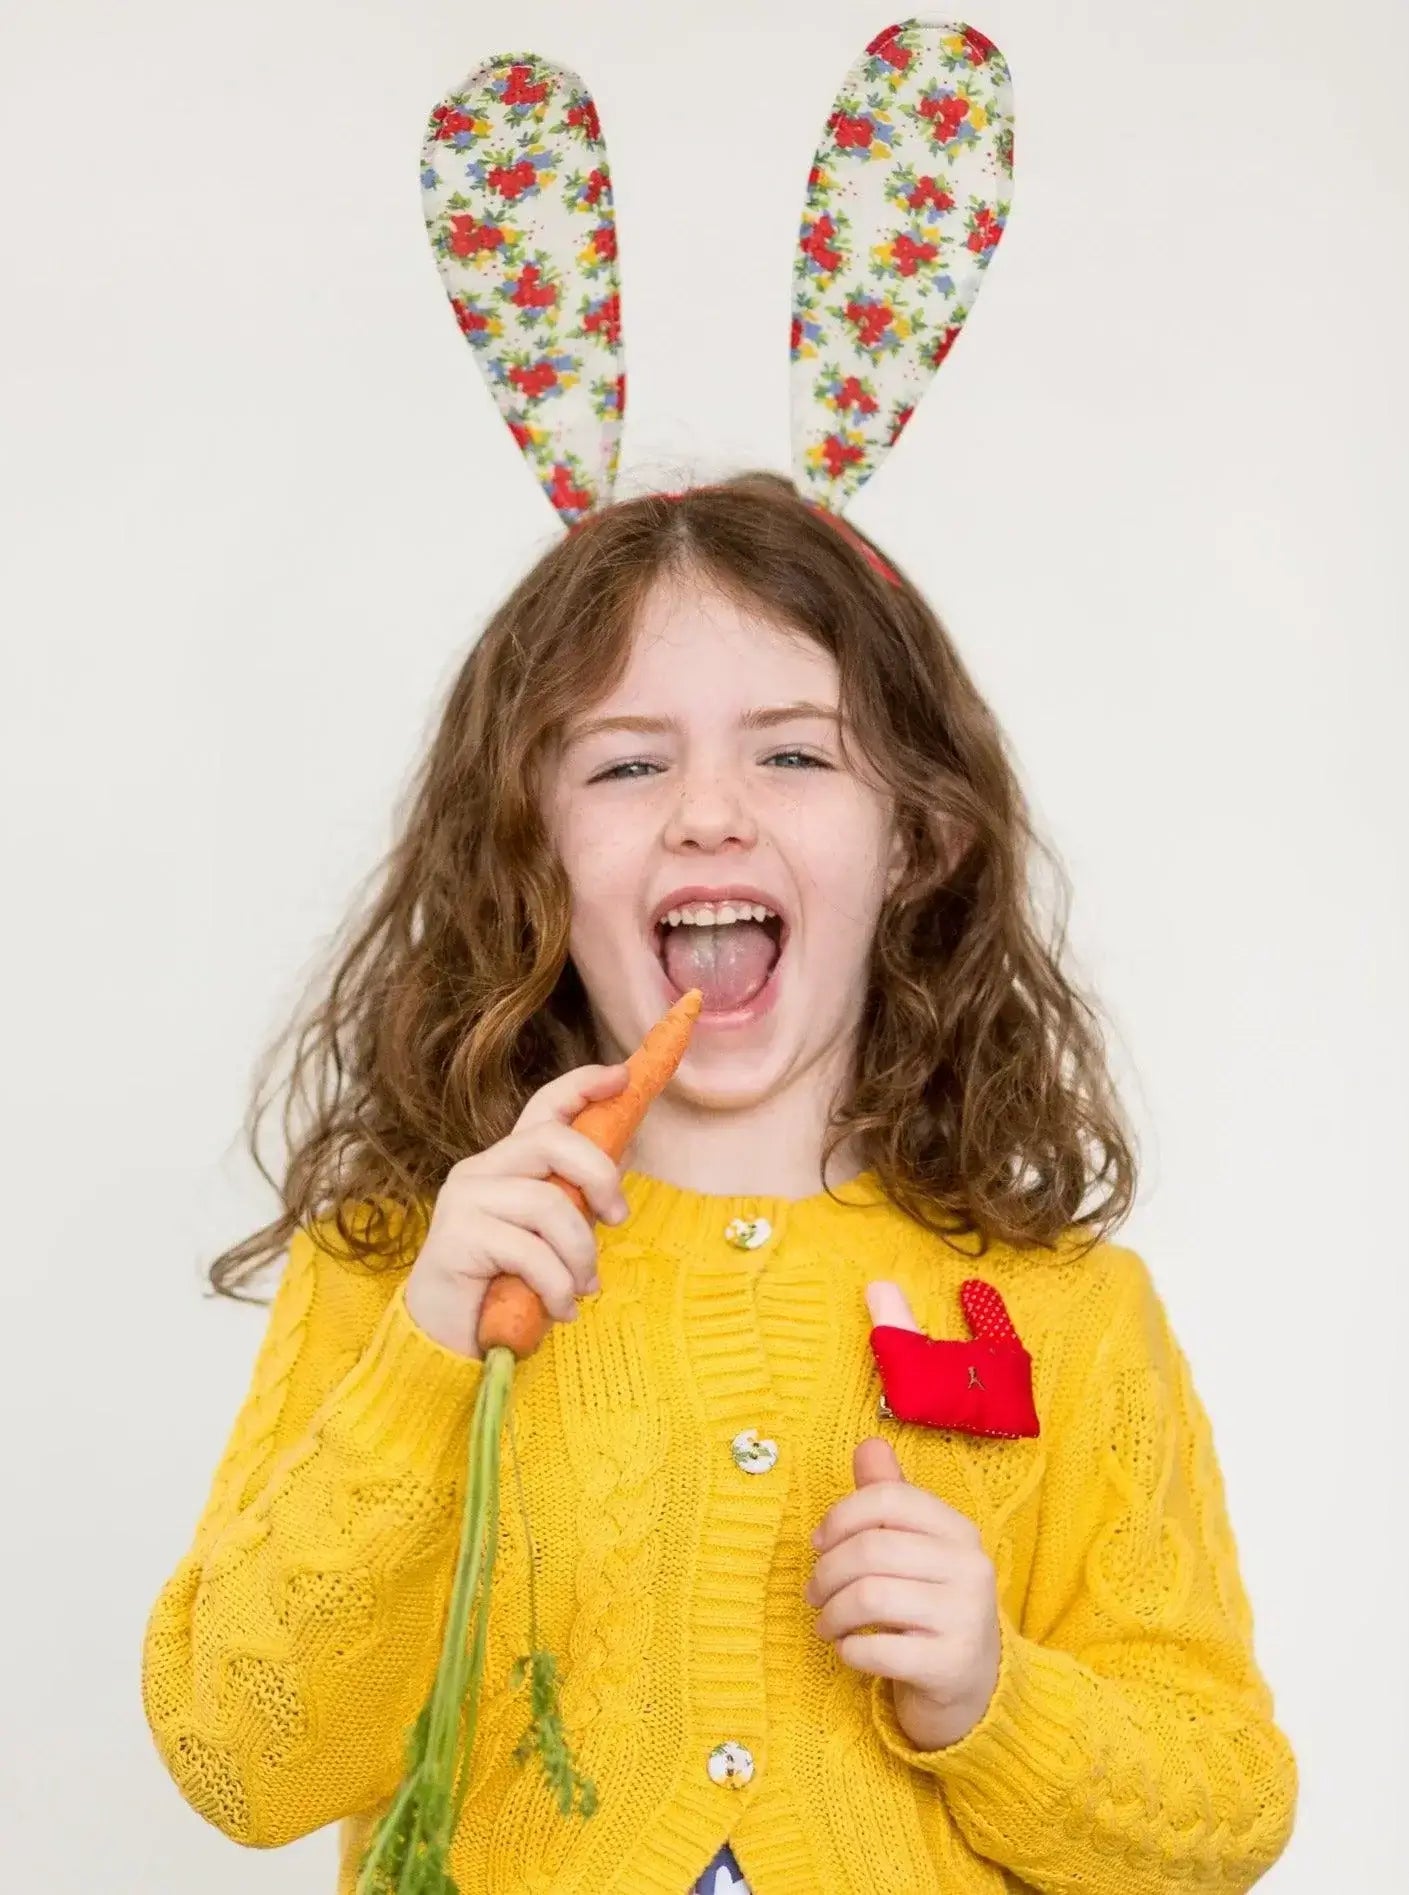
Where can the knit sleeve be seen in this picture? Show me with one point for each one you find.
(1130, 1744)
(296, 1641)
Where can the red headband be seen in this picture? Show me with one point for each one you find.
(850, 534)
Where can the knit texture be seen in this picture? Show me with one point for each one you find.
(1129, 1747)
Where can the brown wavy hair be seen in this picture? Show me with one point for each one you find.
(980, 1095)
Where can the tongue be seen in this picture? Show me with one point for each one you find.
(728, 964)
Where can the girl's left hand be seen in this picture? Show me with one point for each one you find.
(896, 1555)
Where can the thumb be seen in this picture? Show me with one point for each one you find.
(889, 1307)
(874, 1460)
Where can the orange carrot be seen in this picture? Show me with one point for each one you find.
(512, 1315)
(409, 1850)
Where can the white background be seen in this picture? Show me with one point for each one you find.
(257, 503)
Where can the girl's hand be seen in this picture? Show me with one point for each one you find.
(895, 1555)
(496, 1212)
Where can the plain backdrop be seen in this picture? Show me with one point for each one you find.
(257, 504)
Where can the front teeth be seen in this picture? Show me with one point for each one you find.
(708, 914)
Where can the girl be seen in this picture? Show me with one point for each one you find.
(710, 742)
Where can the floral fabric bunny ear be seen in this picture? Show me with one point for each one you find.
(518, 205)
(906, 201)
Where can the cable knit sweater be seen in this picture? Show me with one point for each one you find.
(1129, 1747)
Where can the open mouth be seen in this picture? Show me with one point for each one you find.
(731, 961)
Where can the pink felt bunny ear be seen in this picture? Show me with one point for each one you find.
(518, 206)
(907, 199)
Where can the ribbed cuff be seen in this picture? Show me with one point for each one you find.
(409, 1399)
(1026, 1751)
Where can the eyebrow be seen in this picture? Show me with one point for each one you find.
(764, 717)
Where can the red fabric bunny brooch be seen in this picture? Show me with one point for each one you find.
(982, 1386)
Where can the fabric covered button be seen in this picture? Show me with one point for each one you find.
(731, 1764)
(747, 1233)
(751, 1454)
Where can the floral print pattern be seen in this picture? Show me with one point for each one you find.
(517, 196)
(907, 199)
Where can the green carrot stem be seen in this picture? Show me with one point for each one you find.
(447, 1694)
(462, 1664)
(481, 1630)
(415, 1833)
(410, 1851)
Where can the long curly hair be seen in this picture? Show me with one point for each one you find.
(980, 1095)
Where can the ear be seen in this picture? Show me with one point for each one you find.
(895, 867)
(517, 195)
(907, 199)
(957, 840)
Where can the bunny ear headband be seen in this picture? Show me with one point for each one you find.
(906, 199)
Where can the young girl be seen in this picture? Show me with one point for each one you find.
(707, 742)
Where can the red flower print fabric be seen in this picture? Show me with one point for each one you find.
(517, 195)
(907, 199)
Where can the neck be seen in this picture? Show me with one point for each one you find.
(771, 1147)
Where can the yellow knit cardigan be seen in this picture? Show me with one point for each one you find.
(1129, 1748)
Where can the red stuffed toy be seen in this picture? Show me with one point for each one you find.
(983, 1386)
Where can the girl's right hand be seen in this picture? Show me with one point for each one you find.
(496, 1212)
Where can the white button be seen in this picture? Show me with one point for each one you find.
(731, 1764)
(747, 1233)
(751, 1454)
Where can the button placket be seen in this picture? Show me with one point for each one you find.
(728, 1363)
(752, 1455)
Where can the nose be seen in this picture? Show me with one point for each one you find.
(710, 811)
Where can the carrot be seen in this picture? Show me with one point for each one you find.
(512, 1315)
(409, 1850)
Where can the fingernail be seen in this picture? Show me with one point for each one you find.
(595, 1285)
(817, 1537)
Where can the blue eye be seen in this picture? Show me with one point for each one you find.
(813, 763)
(616, 773)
